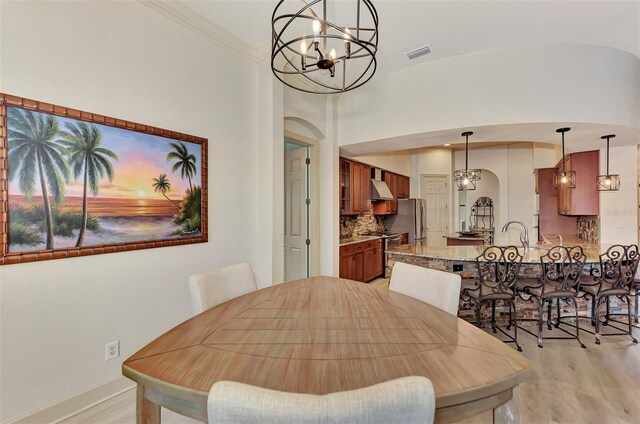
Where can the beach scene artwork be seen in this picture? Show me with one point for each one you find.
(73, 183)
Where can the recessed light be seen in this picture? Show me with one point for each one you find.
(448, 144)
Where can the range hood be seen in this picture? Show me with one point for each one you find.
(379, 189)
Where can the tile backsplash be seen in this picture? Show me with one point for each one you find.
(356, 225)
(588, 229)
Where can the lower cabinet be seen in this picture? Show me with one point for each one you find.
(361, 261)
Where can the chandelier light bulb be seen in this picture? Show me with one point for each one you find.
(563, 180)
(608, 181)
(465, 181)
(303, 47)
(347, 34)
(316, 26)
(332, 54)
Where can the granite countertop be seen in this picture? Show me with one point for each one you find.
(356, 239)
(469, 253)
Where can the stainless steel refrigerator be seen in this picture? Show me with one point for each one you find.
(411, 218)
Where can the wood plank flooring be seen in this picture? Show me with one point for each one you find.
(600, 384)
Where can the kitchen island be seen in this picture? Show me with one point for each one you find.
(462, 261)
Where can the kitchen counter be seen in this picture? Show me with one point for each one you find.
(357, 239)
(469, 253)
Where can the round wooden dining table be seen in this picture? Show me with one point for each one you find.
(322, 335)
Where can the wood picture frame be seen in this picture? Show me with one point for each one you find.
(101, 142)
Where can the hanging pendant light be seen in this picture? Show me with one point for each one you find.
(311, 53)
(466, 178)
(608, 182)
(565, 179)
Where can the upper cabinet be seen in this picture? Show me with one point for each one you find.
(355, 187)
(355, 190)
(584, 199)
(402, 184)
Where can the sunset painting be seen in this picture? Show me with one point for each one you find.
(73, 183)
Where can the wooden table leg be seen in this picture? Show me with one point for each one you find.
(147, 412)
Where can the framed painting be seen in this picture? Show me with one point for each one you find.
(74, 183)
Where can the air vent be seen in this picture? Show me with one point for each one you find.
(420, 51)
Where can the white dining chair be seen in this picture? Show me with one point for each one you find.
(407, 400)
(211, 288)
(437, 288)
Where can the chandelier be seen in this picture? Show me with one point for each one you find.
(565, 179)
(608, 182)
(313, 54)
(466, 178)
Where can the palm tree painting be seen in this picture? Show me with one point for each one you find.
(162, 185)
(75, 184)
(87, 159)
(185, 161)
(36, 153)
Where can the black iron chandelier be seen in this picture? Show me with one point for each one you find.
(312, 54)
(565, 179)
(608, 182)
(466, 178)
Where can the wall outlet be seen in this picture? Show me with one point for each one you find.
(457, 267)
(112, 350)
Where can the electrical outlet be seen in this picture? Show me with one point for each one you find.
(112, 350)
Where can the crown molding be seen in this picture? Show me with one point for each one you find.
(183, 15)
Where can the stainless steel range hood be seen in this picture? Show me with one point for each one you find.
(379, 189)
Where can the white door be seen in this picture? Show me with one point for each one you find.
(295, 215)
(435, 190)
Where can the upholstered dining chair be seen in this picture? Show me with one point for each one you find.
(437, 288)
(561, 270)
(407, 400)
(613, 278)
(211, 288)
(498, 268)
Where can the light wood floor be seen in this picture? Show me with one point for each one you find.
(600, 384)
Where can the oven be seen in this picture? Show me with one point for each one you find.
(390, 240)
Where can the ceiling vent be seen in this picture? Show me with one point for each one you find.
(420, 51)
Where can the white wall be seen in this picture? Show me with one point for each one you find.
(399, 162)
(120, 59)
(570, 83)
(619, 210)
(513, 166)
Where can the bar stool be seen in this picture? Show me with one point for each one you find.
(614, 277)
(561, 270)
(498, 268)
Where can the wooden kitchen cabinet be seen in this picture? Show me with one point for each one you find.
(404, 238)
(402, 184)
(584, 199)
(355, 187)
(361, 261)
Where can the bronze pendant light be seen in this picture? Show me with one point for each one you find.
(608, 182)
(565, 179)
(466, 178)
(311, 53)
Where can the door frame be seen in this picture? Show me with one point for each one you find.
(314, 192)
(449, 216)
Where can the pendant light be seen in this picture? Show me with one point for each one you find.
(312, 53)
(608, 182)
(466, 178)
(565, 179)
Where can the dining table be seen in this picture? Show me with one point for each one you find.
(323, 335)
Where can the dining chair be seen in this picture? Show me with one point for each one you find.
(211, 288)
(437, 288)
(560, 280)
(497, 269)
(406, 400)
(613, 278)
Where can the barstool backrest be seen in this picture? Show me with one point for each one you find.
(561, 269)
(618, 266)
(498, 269)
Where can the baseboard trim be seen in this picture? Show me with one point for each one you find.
(68, 407)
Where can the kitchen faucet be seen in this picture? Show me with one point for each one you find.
(524, 235)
